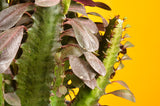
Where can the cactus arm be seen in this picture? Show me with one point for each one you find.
(59, 77)
(104, 44)
(66, 4)
(112, 53)
(88, 97)
(37, 62)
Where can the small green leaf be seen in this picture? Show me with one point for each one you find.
(125, 18)
(128, 45)
(124, 93)
(126, 36)
(12, 99)
(127, 26)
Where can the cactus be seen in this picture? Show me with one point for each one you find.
(90, 97)
(54, 39)
(37, 60)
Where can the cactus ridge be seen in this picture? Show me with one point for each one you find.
(37, 63)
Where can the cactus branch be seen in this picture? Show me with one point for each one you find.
(88, 97)
(37, 62)
(108, 35)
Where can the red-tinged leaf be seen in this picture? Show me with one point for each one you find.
(85, 37)
(68, 32)
(126, 57)
(100, 26)
(71, 50)
(124, 93)
(78, 8)
(8, 71)
(88, 24)
(10, 16)
(12, 99)
(95, 63)
(121, 66)
(81, 68)
(126, 36)
(105, 23)
(102, 5)
(128, 45)
(91, 84)
(24, 21)
(9, 44)
(46, 3)
(86, 2)
(121, 83)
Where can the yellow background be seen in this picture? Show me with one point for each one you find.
(142, 73)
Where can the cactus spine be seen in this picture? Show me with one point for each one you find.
(87, 97)
(37, 63)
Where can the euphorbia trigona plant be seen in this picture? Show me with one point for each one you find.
(41, 39)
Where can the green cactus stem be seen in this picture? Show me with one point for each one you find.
(57, 101)
(1, 90)
(37, 63)
(108, 34)
(58, 81)
(88, 97)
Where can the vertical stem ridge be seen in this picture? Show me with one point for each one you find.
(37, 62)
